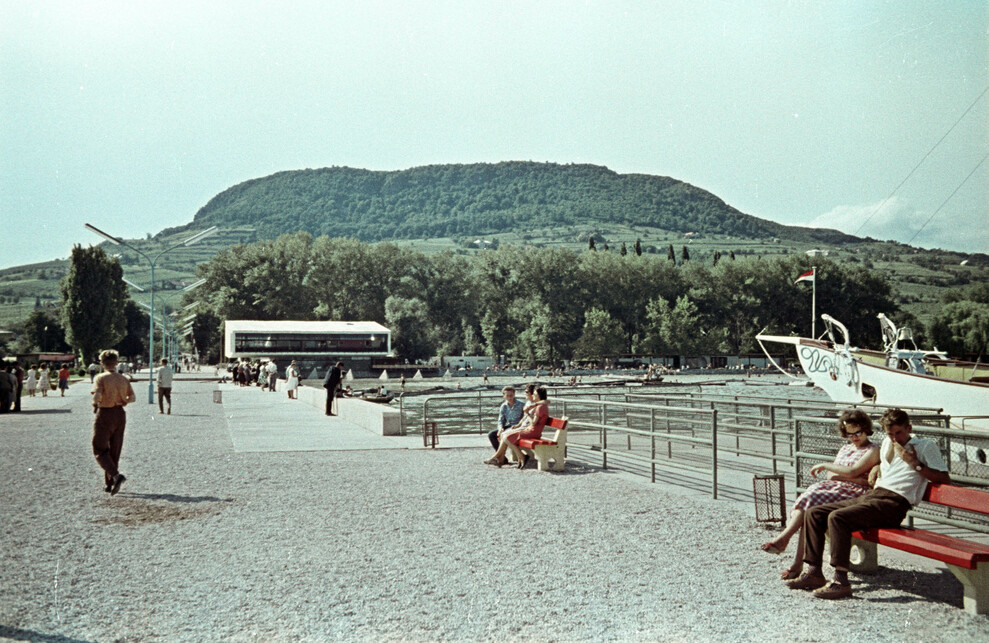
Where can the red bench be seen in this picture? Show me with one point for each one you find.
(966, 559)
(547, 450)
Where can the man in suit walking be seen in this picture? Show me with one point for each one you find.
(331, 383)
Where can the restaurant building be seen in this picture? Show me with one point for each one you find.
(314, 345)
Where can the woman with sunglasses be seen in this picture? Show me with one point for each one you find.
(848, 477)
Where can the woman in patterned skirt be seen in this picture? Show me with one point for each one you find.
(848, 477)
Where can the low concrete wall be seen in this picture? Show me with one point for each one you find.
(378, 418)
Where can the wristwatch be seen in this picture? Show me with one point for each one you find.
(919, 467)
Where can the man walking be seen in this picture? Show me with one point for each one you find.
(906, 465)
(164, 380)
(331, 383)
(509, 415)
(111, 393)
(272, 370)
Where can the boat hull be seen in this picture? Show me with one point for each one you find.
(851, 380)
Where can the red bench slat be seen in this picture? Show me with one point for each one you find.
(529, 443)
(958, 497)
(947, 549)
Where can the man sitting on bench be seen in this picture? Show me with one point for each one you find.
(906, 465)
(509, 415)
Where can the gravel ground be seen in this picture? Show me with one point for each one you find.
(207, 544)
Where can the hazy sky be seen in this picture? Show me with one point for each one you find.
(131, 115)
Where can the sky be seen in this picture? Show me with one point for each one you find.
(132, 115)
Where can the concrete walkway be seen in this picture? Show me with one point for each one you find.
(259, 421)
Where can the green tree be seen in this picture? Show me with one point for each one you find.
(961, 328)
(602, 336)
(408, 320)
(590, 243)
(624, 250)
(684, 255)
(637, 248)
(134, 343)
(207, 336)
(43, 331)
(670, 255)
(93, 299)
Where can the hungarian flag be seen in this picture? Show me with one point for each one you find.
(807, 276)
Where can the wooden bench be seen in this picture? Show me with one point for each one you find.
(966, 559)
(546, 450)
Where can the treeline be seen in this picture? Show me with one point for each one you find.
(534, 305)
(463, 200)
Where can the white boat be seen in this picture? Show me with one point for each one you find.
(901, 377)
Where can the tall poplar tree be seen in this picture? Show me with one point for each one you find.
(93, 298)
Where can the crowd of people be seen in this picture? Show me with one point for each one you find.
(37, 380)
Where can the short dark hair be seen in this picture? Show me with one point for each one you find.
(109, 356)
(508, 388)
(894, 417)
(858, 417)
(530, 388)
(541, 393)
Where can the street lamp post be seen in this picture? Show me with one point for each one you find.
(151, 262)
(164, 315)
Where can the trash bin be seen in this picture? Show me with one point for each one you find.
(770, 498)
(430, 438)
(218, 397)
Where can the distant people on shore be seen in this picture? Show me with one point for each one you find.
(164, 381)
(44, 381)
(63, 379)
(334, 376)
(31, 380)
(8, 384)
(292, 380)
(271, 371)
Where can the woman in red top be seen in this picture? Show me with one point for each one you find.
(63, 379)
(539, 412)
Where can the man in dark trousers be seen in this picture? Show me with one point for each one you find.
(111, 393)
(331, 383)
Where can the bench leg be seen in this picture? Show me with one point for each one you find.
(976, 585)
(865, 557)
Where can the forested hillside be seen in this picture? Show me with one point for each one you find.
(455, 200)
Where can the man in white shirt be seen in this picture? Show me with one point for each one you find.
(906, 465)
(165, 386)
(271, 370)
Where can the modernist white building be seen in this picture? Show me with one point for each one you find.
(313, 344)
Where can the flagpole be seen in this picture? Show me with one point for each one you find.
(813, 304)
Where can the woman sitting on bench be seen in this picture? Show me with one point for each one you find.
(848, 479)
(534, 418)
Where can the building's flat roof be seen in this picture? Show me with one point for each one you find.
(304, 326)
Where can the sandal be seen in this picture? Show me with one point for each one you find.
(494, 461)
(789, 574)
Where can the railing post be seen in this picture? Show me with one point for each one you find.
(714, 453)
(480, 420)
(772, 434)
(793, 452)
(652, 440)
(401, 417)
(604, 437)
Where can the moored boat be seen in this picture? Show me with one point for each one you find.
(897, 376)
